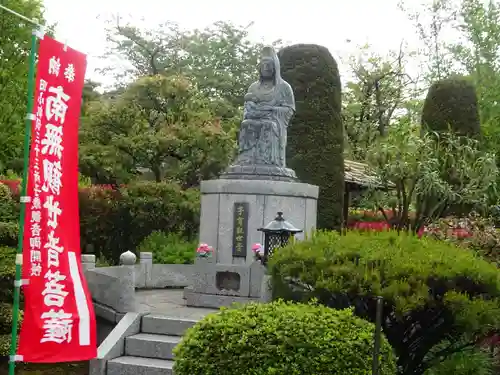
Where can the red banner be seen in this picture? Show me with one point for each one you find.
(59, 322)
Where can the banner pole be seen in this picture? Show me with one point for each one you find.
(377, 336)
(32, 21)
(27, 136)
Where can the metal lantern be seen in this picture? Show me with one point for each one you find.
(277, 234)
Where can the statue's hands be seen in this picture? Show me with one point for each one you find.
(255, 115)
(250, 105)
(248, 109)
(256, 111)
(265, 108)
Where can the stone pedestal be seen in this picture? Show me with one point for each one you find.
(231, 213)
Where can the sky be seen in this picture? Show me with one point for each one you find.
(339, 25)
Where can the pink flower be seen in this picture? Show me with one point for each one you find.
(204, 250)
(258, 251)
(257, 248)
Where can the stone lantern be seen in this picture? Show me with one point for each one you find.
(277, 234)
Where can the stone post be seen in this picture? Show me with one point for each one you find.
(128, 260)
(257, 273)
(146, 261)
(204, 275)
(266, 290)
(88, 262)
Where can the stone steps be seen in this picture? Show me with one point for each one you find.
(140, 366)
(150, 345)
(165, 325)
(151, 351)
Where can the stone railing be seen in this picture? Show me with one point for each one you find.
(113, 288)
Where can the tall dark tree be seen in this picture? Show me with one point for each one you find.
(316, 141)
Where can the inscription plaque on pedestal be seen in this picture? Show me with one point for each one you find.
(240, 229)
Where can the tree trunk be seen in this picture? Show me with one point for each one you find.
(156, 172)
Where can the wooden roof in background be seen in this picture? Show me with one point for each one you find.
(356, 173)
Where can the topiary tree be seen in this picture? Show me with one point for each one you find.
(451, 104)
(316, 140)
(281, 338)
(434, 293)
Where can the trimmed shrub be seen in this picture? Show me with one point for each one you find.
(280, 338)
(451, 104)
(316, 141)
(100, 232)
(169, 248)
(7, 273)
(472, 361)
(114, 221)
(8, 233)
(7, 277)
(9, 216)
(6, 327)
(9, 208)
(432, 290)
(160, 206)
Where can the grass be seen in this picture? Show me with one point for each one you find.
(79, 368)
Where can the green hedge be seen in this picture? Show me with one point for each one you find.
(9, 207)
(6, 327)
(169, 248)
(9, 216)
(7, 277)
(472, 361)
(116, 221)
(280, 338)
(432, 290)
(7, 273)
(8, 233)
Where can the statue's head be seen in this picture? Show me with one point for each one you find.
(268, 60)
(267, 67)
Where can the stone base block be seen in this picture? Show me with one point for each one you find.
(225, 279)
(259, 172)
(232, 211)
(212, 300)
(264, 199)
